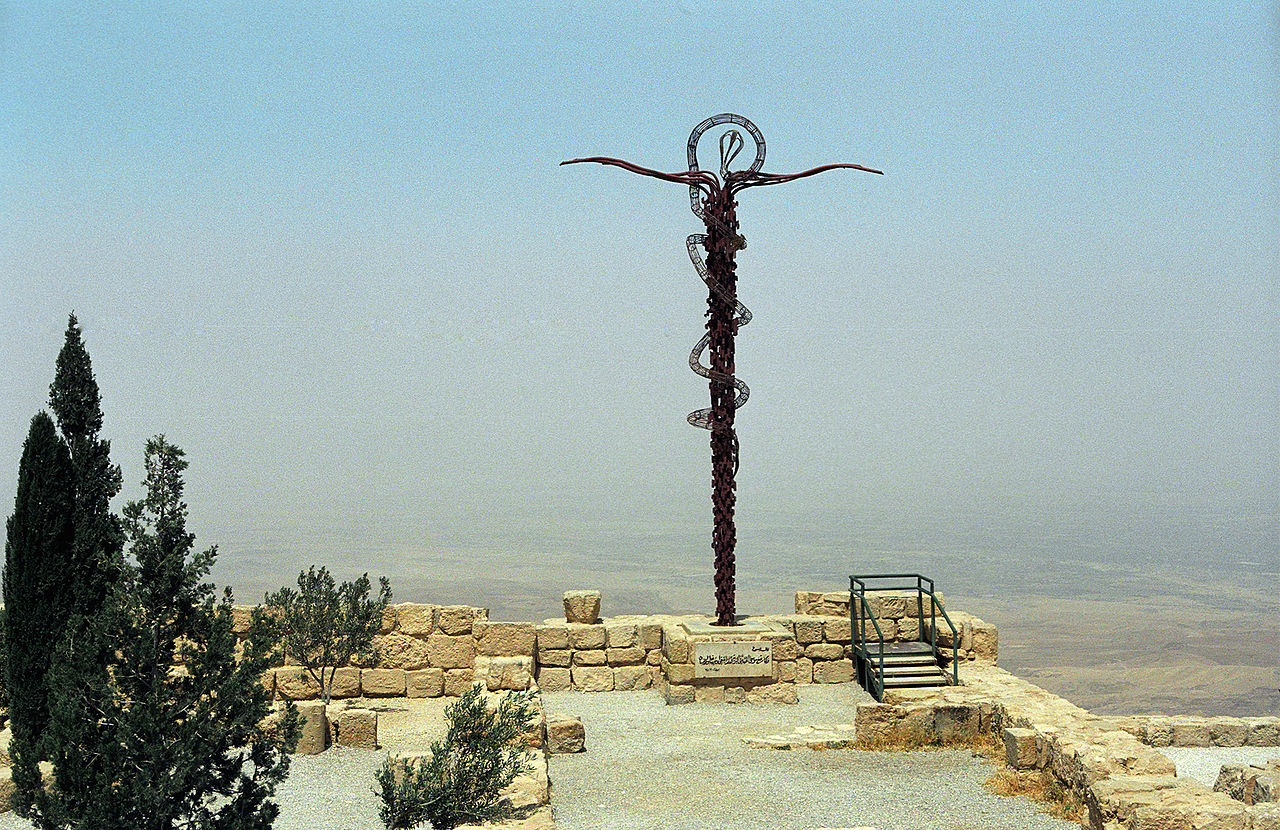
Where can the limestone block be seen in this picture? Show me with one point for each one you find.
(554, 680)
(1266, 816)
(390, 620)
(632, 678)
(621, 634)
(836, 629)
(358, 728)
(586, 636)
(553, 635)
(806, 600)
(708, 694)
(7, 789)
(834, 603)
(888, 628)
(383, 682)
(593, 678)
(735, 694)
(908, 629)
(804, 670)
(313, 737)
(451, 652)
(1020, 749)
(1250, 784)
(581, 606)
(424, 683)
(1227, 732)
(296, 684)
(808, 631)
(675, 645)
(824, 651)
(650, 635)
(832, 671)
(773, 693)
(1190, 732)
(1157, 732)
(532, 788)
(241, 616)
(632, 656)
(785, 648)
(268, 681)
(653, 657)
(457, 681)
(956, 722)
(675, 694)
(678, 673)
(515, 673)
(894, 606)
(947, 637)
(401, 651)
(346, 683)
(558, 657)
(786, 622)
(985, 640)
(458, 619)
(593, 657)
(415, 618)
(784, 671)
(1263, 731)
(505, 639)
(565, 735)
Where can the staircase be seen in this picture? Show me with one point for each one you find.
(906, 666)
(882, 664)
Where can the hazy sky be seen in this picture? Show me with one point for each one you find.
(328, 251)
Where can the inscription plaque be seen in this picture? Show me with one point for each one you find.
(729, 659)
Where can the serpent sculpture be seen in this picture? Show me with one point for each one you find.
(711, 198)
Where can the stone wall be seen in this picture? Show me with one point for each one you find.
(1186, 730)
(430, 650)
(615, 654)
(898, 614)
(424, 651)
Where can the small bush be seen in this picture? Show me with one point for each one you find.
(325, 626)
(482, 753)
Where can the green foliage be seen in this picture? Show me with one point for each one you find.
(482, 753)
(98, 540)
(37, 550)
(324, 626)
(63, 548)
(154, 723)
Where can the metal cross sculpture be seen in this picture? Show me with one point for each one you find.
(712, 200)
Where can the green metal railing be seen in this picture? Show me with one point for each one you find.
(869, 666)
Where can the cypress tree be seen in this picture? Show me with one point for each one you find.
(68, 554)
(37, 545)
(155, 724)
(98, 539)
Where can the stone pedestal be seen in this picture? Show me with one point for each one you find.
(749, 663)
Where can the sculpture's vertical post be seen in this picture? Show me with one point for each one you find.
(722, 241)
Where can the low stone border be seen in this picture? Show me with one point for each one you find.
(818, 736)
(1189, 731)
(1124, 783)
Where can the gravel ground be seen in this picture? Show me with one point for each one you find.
(334, 790)
(1204, 764)
(649, 765)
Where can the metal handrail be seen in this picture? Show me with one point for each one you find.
(858, 587)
